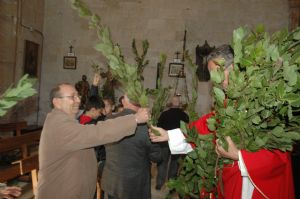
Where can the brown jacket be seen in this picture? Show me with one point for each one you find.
(67, 163)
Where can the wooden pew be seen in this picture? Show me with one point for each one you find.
(28, 163)
(15, 127)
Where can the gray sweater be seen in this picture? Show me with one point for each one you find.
(126, 173)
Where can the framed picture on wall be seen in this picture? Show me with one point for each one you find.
(31, 58)
(175, 69)
(70, 62)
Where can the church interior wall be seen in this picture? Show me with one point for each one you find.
(161, 22)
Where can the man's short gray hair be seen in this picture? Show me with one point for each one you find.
(55, 92)
(224, 51)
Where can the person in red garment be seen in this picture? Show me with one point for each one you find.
(253, 175)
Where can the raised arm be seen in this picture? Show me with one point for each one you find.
(94, 86)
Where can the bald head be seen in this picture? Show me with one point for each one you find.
(175, 101)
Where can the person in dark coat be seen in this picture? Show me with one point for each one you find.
(126, 173)
(169, 119)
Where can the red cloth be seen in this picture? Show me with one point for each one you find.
(201, 124)
(270, 171)
(83, 119)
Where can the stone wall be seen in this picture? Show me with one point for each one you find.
(20, 21)
(161, 22)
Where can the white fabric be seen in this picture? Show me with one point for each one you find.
(177, 142)
(247, 187)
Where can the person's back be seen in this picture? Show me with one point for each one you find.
(126, 172)
(169, 119)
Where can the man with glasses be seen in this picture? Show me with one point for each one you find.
(67, 162)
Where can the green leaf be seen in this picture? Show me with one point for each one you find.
(260, 28)
(266, 113)
(106, 36)
(260, 142)
(293, 135)
(290, 74)
(291, 97)
(274, 54)
(104, 48)
(219, 95)
(183, 127)
(216, 76)
(95, 18)
(211, 122)
(277, 131)
(230, 111)
(281, 89)
(256, 119)
(202, 154)
(238, 35)
(143, 100)
(2, 112)
(193, 155)
(12, 95)
(296, 35)
(296, 103)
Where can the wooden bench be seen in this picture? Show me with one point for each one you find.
(29, 162)
(16, 128)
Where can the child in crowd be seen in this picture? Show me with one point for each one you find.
(92, 114)
(109, 106)
(93, 111)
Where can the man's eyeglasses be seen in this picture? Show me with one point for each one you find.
(73, 97)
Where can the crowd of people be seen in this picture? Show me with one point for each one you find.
(75, 150)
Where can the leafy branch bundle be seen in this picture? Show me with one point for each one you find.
(191, 108)
(140, 59)
(161, 94)
(262, 106)
(197, 175)
(14, 94)
(264, 91)
(129, 75)
(126, 73)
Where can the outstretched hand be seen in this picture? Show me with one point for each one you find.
(232, 152)
(10, 192)
(158, 138)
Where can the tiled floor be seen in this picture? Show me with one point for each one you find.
(27, 191)
(157, 194)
